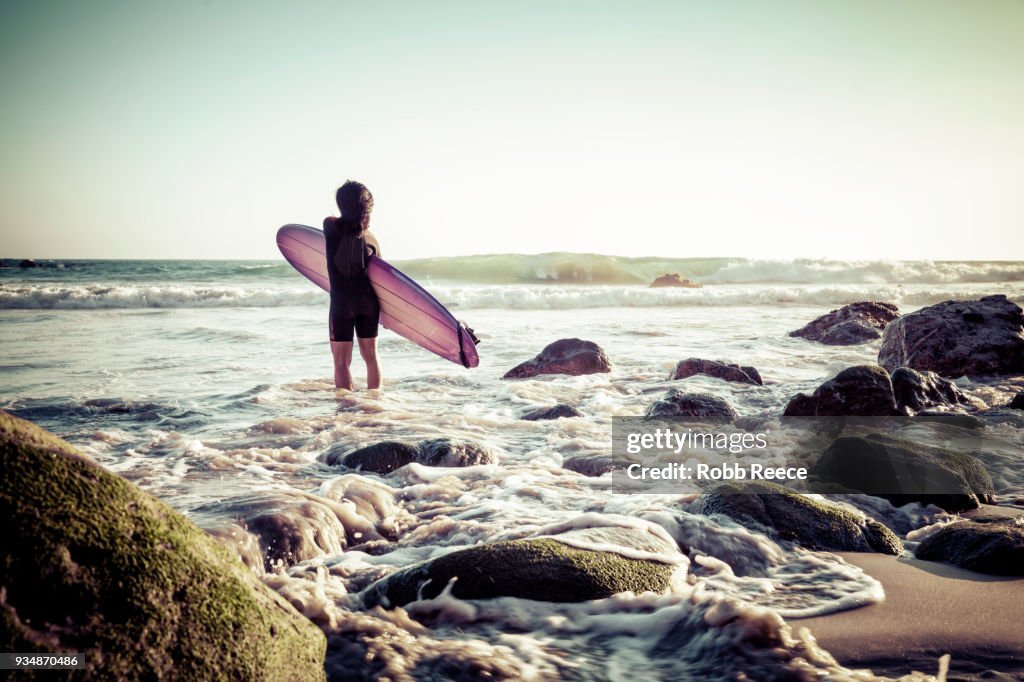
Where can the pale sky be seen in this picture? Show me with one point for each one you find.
(860, 129)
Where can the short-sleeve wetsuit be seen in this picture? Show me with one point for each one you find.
(354, 305)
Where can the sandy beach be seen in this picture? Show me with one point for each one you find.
(930, 609)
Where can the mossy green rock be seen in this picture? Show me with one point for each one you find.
(541, 569)
(91, 564)
(786, 515)
(994, 546)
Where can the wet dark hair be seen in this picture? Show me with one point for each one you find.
(355, 203)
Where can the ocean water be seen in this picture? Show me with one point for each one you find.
(208, 384)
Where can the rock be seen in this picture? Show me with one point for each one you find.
(542, 569)
(995, 546)
(861, 391)
(92, 564)
(27, 263)
(714, 368)
(594, 465)
(785, 515)
(379, 458)
(851, 324)
(674, 280)
(565, 356)
(903, 471)
(386, 456)
(558, 411)
(927, 391)
(1000, 416)
(291, 526)
(446, 452)
(958, 338)
(702, 406)
(1018, 402)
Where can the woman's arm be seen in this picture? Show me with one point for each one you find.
(372, 241)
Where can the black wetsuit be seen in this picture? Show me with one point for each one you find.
(354, 305)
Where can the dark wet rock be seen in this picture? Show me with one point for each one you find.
(565, 356)
(992, 545)
(958, 338)
(289, 526)
(861, 391)
(673, 279)
(387, 456)
(1017, 403)
(447, 452)
(594, 465)
(92, 564)
(542, 569)
(785, 515)
(927, 391)
(851, 324)
(380, 458)
(904, 471)
(560, 411)
(702, 406)
(714, 368)
(27, 263)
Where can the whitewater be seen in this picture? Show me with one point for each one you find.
(207, 383)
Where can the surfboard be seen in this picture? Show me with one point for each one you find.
(406, 308)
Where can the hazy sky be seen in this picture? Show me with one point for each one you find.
(861, 129)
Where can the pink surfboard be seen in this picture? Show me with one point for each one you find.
(405, 307)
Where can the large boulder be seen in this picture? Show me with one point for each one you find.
(714, 368)
(559, 411)
(553, 569)
(91, 564)
(861, 391)
(958, 338)
(386, 456)
(927, 391)
(995, 546)
(785, 515)
(903, 471)
(701, 406)
(851, 324)
(565, 356)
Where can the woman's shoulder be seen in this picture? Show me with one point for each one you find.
(330, 222)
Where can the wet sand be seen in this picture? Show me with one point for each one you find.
(930, 609)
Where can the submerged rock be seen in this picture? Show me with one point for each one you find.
(542, 569)
(447, 452)
(92, 564)
(594, 465)
(958, 338)
(851, 324)
(927, 391)
(714, 368)
(995, 546)
(703, 406)
(387, 456)
(673, 279)
(785, 515)
(565, 356)
(1018, 402)
(903, 471)
(559, 411)
(861, 391)
(27, 263)
(380, 458)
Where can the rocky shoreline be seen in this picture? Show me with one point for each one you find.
(130, 570)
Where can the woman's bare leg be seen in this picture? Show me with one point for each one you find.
(342, 353)
(368, 349)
